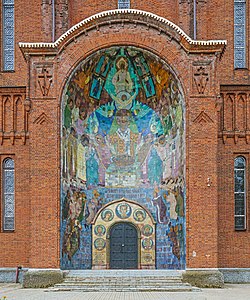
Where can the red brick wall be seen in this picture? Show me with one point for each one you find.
(233, 245)
(234, 141)
(15, 246)
(210, 224)
(167, 9)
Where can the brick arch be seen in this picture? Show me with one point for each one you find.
(167, 50)
(126, 27)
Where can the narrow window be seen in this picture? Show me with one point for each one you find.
(8, 194)
(123, 4)
(8, 35)
(240, 192)
(239, 34)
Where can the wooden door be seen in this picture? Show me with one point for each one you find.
(123, 247)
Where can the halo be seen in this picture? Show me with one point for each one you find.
(120, 61)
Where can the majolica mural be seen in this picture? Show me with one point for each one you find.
(123, 136)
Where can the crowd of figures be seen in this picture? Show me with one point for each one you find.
(123, 127)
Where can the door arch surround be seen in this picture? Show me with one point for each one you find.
(123, 211)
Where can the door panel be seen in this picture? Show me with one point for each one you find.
(123, 247)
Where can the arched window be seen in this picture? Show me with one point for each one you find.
(239, 34)
(8, 194)
(123, 4)
(240, 192)
(8, 42)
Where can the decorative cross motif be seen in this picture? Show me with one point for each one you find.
(201, 79)
(45, 81)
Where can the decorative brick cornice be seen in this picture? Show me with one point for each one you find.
(136, 17)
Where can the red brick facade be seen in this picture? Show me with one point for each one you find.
(216, 131)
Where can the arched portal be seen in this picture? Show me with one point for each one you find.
(123, 234)
(123, 136)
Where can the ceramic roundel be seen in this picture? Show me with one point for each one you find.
(123, 210)
(107, 215)
(139, 215)
(99, 244)
(100, 230)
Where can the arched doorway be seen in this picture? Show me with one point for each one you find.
(123, 237)
(123, 246)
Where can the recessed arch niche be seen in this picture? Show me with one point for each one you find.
(122, 136)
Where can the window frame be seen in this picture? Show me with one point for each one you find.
(8, 66)
(3, 194)
(123, 4)
(244, 228)
(243, 36)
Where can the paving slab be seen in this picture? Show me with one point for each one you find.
(230, 292)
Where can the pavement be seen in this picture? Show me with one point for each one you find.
(10, 291)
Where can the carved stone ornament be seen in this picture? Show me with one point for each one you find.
(44, 79)
(201, 79)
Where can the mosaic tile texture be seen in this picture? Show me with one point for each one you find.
(122, 136)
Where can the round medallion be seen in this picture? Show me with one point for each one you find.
(123, 210)
(139, 215)
(107, 215)
(100, 230)
(147, 230)
(147, 244)
(147, 258)
(99, 244)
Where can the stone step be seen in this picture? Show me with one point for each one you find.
(104, 279)
(123, 281)
(174, 288)
(121, 273)
(110, 284)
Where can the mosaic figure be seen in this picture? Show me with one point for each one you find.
(100, 230)
(170, 198)
(147, 230)
(123, 211)
(81, 158)
(123, 140)
(99, 244)
(173, 235)
(72, 152)
(107, 215)
(122, 80)
(161, 207)
(180, 203)
(147, 243)
(139, 215)
(93, 206)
